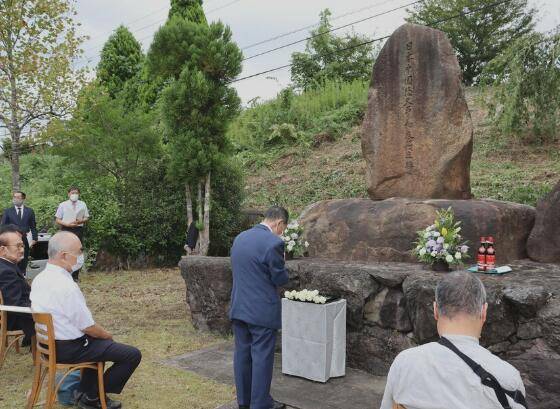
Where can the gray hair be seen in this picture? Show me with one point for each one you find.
(460, 292)
(58, 243)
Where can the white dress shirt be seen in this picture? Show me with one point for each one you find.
(55, 292)
(431, 376)
(69, 210)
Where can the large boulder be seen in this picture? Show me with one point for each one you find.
(367, 230)
(417, 132)
(544, 242)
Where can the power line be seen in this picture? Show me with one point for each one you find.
(332, 30)
(373, 40)
(350, 13)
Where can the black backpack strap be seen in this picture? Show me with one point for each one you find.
(487, 378)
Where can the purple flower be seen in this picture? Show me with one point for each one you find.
(464, 249)
(440, 239)
(438, 247)
(431, 243)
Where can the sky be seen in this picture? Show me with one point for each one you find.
(253, 21)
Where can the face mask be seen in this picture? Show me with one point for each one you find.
(74, 197)
(79, 263)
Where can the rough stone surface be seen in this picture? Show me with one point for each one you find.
(544, 242)
(417, 132)
(367, 230)
(386, 316)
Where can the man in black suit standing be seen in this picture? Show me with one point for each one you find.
(13, 286)
(23, 217)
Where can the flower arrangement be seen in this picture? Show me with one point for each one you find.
(306, 296)
(441, 241)
(293, 237)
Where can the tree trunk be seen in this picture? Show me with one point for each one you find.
(205, 237)
(14, 158)
(200, 217)
(189, 205)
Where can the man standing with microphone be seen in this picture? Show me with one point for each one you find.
(257, 259)
(24, 218)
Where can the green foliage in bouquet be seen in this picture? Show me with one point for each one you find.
(441, 240)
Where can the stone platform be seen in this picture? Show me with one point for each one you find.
(390, 309)
(356, 390)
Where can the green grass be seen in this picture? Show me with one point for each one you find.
(146, 309)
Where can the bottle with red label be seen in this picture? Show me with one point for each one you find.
(481, 256)
(490, 254)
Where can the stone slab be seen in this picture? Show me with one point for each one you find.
(356, 390)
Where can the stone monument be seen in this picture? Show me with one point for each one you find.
(417, 134)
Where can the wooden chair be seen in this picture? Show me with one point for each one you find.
(8, 339)
(397, 406)
(46, 366)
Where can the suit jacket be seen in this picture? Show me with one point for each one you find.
(14, 288)
(26, 222)
(257, 260)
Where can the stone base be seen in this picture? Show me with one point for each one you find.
(367, 230)
(389, 310)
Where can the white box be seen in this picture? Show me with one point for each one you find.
(314, 339)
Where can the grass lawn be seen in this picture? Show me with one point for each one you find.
(146, 309)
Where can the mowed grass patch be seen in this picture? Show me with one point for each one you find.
(146, 309)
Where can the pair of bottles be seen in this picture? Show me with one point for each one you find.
(486, 258)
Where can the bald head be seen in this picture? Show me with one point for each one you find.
(63, 242)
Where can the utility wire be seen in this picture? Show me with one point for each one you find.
(332, 30)
(350, 13)
(462, 14)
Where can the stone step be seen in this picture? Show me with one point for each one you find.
(356, 390)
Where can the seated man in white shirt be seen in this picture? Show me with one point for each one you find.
(435, 376)
(78, 337)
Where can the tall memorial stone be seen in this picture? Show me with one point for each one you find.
(417, 133)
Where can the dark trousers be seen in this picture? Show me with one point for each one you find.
(23, 263)
(253, 361)
(78, 231)
(125, 360)
(24, 322)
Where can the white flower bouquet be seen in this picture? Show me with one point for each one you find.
(441, 242)
(305, 295)
(293, 238)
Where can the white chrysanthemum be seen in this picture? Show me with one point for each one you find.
(458, 256)
(422, 251)
(292, 243)
(433, 253)
(306, 244)
(449, 258)
(436, 234)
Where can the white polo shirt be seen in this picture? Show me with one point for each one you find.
(55, 292)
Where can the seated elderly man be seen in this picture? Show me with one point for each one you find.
(78, 337)
(455, 372)
(15, 290)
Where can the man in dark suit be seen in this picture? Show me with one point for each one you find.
(23, 217)
(15, 289)
(257, 259)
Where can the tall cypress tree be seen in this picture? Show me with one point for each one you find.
(121, 60)
(190, 10)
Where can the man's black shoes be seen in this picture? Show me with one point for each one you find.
(86, 403)
(275, 405)
(278, 405)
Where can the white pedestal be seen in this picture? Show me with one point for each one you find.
(314, 339)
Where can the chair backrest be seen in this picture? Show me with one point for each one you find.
(3, 320)
(44, 330)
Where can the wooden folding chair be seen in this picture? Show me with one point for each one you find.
(8, 339)
(46, 366)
